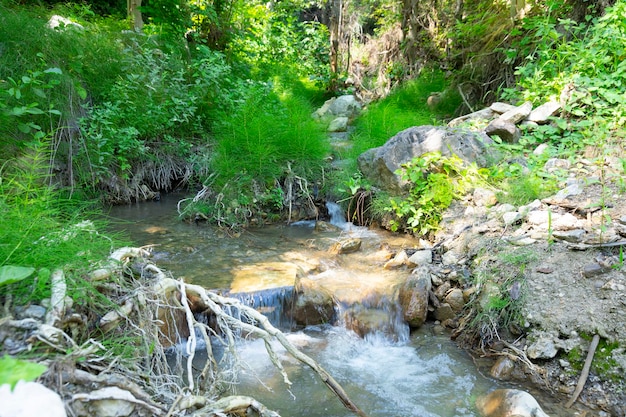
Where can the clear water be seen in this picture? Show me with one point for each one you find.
(418, 374)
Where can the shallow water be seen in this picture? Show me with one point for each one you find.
(424, 374)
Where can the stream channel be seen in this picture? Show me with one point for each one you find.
(421, 373)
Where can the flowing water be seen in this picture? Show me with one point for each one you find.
(403, 374)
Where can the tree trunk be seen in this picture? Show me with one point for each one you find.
(335, 13)
(135, 14)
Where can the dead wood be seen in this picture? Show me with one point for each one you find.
(585, 372)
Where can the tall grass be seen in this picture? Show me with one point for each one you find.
(403, 108)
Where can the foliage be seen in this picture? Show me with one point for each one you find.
(434, 181)
(14, 370)
(402, 108)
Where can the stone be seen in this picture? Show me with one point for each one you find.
(399, 260)
(539, 150)
(339, 124)
(421, 257)
(444, 312)
(106, 402)
(542, 114)
(450, 258)
(379, 165)
(346, 246)
(555, 164)
(542, 346)
(346, 106)
(502, 368)
(509, 403)
(484, 114)
(500, 107)
(517, 114)
(594, 269)
(33, 311)
(505, 130)
(572, 236)
(264, 276)
(566, 221)
(313, 303)
(511, 217)
(455, 299)
(30, 399)
(484, 197)
(413, 297)
(569, 191)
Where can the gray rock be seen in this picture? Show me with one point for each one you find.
(554, 164)
(379, 165)
(444, 312)
(509, 403)
(572, 236)
(511, 217)
(421, 257)
(33, 311)
(455, 299)
(542, 346)
(484, 114)
(541, 114)
(484, 197)
(500, 107)
(517, 114)
(413, 297)
(339, 124)
(346, 106)
(505, 130)
(539, 150)
(594, 269)
(450, 258)
(569, 191)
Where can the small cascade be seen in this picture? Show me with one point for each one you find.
(379, 320)
(274, 303)
(337, 216)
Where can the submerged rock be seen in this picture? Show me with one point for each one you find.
(509, 403)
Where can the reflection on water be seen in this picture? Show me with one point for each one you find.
(426, 375)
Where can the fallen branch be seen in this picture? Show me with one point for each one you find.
(215, 302)
(585, 372)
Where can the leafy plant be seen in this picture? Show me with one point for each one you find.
(14, 370)
(433, 182)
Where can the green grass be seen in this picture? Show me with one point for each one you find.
(402, 108)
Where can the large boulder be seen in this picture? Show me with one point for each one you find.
(414, 297)
(379, 165)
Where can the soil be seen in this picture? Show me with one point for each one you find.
(569, 291)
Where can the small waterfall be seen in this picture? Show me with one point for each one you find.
(274, 303)
(337, 216)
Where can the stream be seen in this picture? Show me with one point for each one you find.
(422, 373)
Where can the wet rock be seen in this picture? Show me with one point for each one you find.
(509, 403)
(413, 297)
(541, 114)
(455, 299)
(340, 124)
(444, 312)
(421, 257)
(264, 275)
(313, 304)
(379, 165)
(30, 399)
(542, 346)
(399, 260)
(505, 130)
(346, 246)
(503, 368)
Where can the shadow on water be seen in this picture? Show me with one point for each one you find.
(387, 373)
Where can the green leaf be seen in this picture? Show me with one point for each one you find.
(12, 273)
(34, 110)
(82, 93)
(14, 370)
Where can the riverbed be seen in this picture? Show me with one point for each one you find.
(422, 374)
